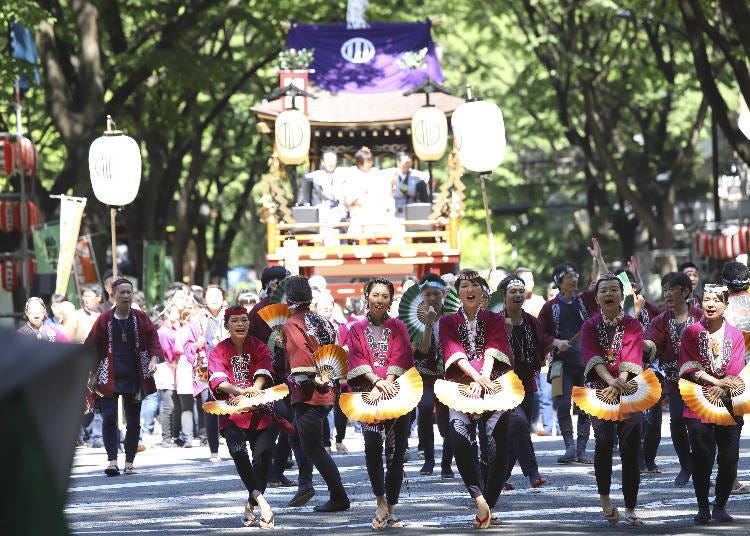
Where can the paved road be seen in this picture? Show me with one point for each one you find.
(179, 492)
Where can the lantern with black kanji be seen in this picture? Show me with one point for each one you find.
(8, 216)
(429, 133)
(292, 137)
(9, 274)
(27, 216)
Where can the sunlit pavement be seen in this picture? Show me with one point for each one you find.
(179, 492)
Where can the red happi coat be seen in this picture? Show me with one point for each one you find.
(393, 354)
(694, 354)
(663, 332)
(622, 351)
(224, 365)
(146, 346)
(491, 342)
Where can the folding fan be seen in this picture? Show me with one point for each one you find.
(247, 403)
(508, 394)
(331, 361)
(412, 311)
(714, 411)
(451, 302)
(741, 396)
(642, 392)
(275, 315)
(496, 303)
(359, 406)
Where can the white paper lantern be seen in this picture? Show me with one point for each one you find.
(115, 168)
(292, 137)
(429, 133)
(479, 135)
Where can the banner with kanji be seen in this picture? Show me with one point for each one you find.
(71, 213)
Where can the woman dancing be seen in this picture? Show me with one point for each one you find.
(379, 352)
(238, 366)
(476, 351)
(712, 353)
(527, 344)
(612, 350)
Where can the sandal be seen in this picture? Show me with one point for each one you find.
(482, 523)
(394, 522)
(633, 520)
(266, 524)
(613, 516)
(112, 470)
(508, 487)
(495, 521)
(130, 470)
(541, 481)
(379, 523)
(249, 519)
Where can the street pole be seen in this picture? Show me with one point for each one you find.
(715, 166)
(487, 221)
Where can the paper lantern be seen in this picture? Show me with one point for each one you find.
(479, 135)
(6, 157)
(26, 216)
(429, 133)
(31, 270)
(115, 168)
(10, 274)
(26, 155)
(8, 216)
(292, 137)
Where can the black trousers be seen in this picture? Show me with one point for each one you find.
(309, 424)
(707, 440)
(651, 432)
(679, 431)
(211, 421)
(490, 430)
(427, 405)
(111, 431)
(521, 447)
(629, 435)
(394, 436)
(261, 443)
(340, 421)
(572, 376)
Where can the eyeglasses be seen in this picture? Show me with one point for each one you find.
(571, 275)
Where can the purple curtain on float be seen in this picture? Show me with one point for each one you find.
(364, 61)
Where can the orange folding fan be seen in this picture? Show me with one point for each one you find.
(741, 396)
(642, 392)
(359, 406)
(247, 403)
(508, 394)
(713, 411)
(275, 315)
(331, 362)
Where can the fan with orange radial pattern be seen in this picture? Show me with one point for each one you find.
(592, 402)
(741, 396)
(642, 392)
(331, 361)
(247, 403)
(275, 315)
(695, 398)
(508, 394)
(359, 406)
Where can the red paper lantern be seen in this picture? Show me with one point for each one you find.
(10, 275)
(6, 157)
(26, 155)
(8, 217)
(31, 270)
(27, 216)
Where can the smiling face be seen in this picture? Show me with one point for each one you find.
(609, 296)
(514, 298)
(674, 296)
(238, 325)
(379, 300)
(36, 313)
(470, 293)
(713, 305)
(569, 283)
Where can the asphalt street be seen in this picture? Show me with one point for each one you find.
(179, 492)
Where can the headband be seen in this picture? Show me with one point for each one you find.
(468, 275)
(515, 282)
(715, 289)
(736, 282)
(235, 310)
(436, 284)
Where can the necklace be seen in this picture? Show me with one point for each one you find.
(123, 325)
(472, 331)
